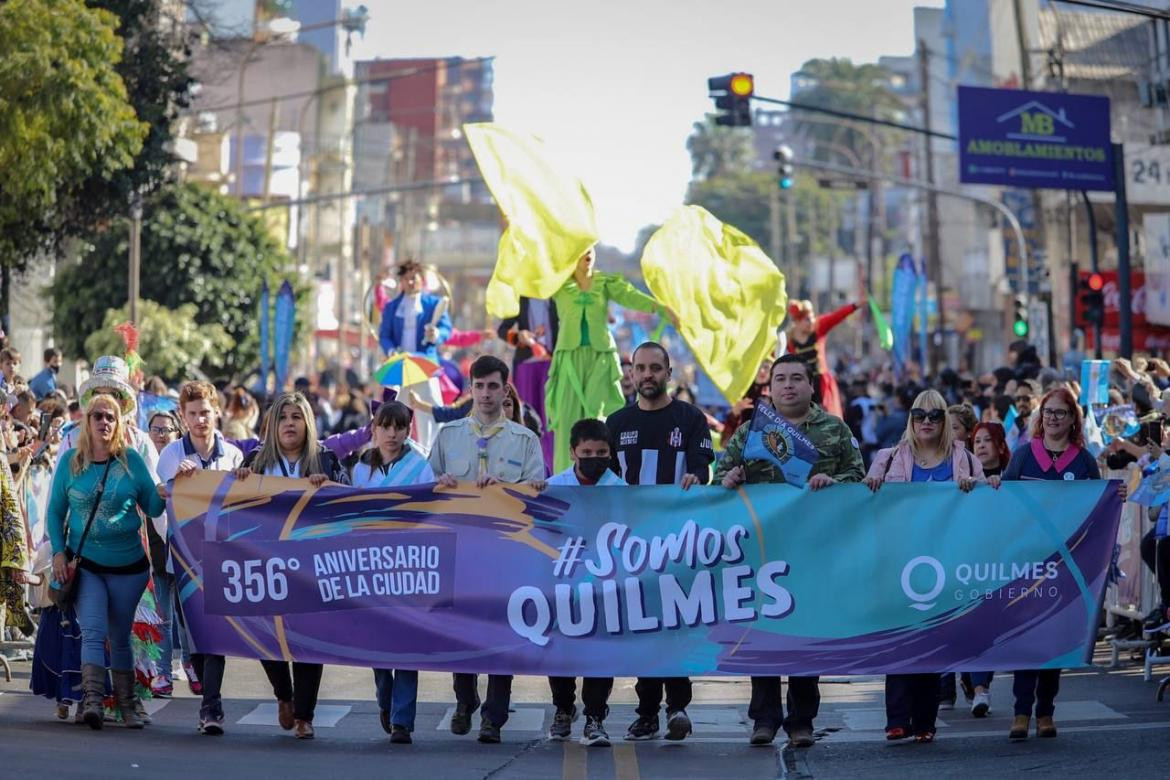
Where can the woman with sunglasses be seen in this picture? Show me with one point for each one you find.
(113, 565)
(1056, 451)
(291, 449)
(928, 452)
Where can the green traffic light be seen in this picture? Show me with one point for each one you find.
(1020, 328)
(786, 183)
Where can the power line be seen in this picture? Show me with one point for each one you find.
(1121, 7)
(855, 117)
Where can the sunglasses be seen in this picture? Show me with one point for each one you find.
(1023, 399)
(109, 417)
(934, 415)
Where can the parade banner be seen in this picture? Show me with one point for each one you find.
(648, 581)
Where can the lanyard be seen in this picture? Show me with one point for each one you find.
(280, 461)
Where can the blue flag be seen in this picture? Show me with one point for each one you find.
(1155, 487)
(1094, 382)
(774, 439)
(283, 327)
(1119, 422)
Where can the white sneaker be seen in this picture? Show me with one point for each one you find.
(981, 705)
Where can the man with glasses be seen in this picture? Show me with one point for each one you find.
(1027, 393)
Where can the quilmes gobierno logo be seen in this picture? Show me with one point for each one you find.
(921, 600)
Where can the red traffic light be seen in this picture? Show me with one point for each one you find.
(1096, 282)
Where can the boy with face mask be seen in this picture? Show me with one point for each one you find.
(590, 450)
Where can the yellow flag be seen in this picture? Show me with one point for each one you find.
(729, 297)
(551, 223)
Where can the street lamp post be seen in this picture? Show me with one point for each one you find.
(135, 253)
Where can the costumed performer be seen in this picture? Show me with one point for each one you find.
(806, 338)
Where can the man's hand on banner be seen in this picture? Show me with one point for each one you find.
(446, 481)
(186, 468)
(243, 472)
(689, 481)
(818, 481)
(538, 485)
(485, 480)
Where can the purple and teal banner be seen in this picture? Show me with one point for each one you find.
(645, 581)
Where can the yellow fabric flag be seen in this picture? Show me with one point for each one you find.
(551, 223)
(729, 297)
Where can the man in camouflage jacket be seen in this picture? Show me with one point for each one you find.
(838, 460)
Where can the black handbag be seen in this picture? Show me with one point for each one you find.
(66, 593)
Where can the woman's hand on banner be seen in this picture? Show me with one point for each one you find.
(317, 480)
(995, 481)
(243, 472)
(967, 485)
(873, 483)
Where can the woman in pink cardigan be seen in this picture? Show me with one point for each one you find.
(928, 452)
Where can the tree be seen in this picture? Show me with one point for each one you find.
(64, 117)
(198, 247)
(739, 199)
(719, 151)
(839, 84)
(170, 342)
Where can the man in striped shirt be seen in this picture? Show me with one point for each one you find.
(660, 441)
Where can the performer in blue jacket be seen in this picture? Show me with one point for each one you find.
(415, 321)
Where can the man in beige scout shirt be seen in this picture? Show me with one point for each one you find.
(487, 448)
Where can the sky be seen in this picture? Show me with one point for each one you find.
(615, 85)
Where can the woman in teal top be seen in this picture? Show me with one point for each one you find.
(585, 377)
(113, 565)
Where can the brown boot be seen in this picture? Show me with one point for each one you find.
(1045, 727)
(1020, 727)
(125, 697)
(93, 684)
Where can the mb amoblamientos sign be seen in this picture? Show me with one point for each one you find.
(1034, 139)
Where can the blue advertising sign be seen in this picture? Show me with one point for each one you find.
(1034, 139)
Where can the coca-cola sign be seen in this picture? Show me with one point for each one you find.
(1147, 337)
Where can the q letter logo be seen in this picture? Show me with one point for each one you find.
(921, 599)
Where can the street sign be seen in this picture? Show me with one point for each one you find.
(1034, 139)
(842, 184)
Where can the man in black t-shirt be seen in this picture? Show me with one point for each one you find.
(660, 441)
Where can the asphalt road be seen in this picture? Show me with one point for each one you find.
(1110, 724)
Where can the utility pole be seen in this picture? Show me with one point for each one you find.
(790, 235)
(135, 254)
(933, 246)
(777, 245)
(1125, 304)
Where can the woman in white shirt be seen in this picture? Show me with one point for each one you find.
(291, 449)
(393, 461)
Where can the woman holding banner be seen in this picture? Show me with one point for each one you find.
(291, 449)
(394, 462)
(928, 452)
(1056, 451)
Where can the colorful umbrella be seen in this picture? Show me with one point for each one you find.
(405, 369)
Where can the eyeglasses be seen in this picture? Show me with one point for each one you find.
(162, 431)
(109, 417)
(1055, 414)
(934, 415)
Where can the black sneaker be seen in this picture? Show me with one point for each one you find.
(642, 729)
(562, 725)
(678, 725)
(211, 724)
(384, 719)
(489, 733)
(461, 719)
(594, 734)
(1158, 620)
(400, 735)
(762, 734)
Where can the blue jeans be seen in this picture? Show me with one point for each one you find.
(164, 596)
(105, 607)
(398, 695)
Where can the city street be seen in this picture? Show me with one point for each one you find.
(1109, 723)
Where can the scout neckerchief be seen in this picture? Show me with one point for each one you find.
(482, 436)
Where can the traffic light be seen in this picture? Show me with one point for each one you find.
(1020, 320)
(1093, 298)
(733, 97)
(784, 168)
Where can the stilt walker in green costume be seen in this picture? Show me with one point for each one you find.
(585, 377)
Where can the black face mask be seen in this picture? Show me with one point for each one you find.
(592, 468)
(55, 369)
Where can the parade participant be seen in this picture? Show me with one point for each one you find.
(990, 446)
(963, 420)
(928, 452)
(394, 461)
(9, 368)
(585, 378)
(1056, 450)
(45, 383)
(104, 479)
(487, 448)
(660, 441)
(291, 449)
(741, 413)
(414, 321)
(806, 338)
(1026, 393)
(202, 448)
(839, 460)
(241, 415)
(163, 428)
(14, 557)
(590, 449)
(534, 329)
